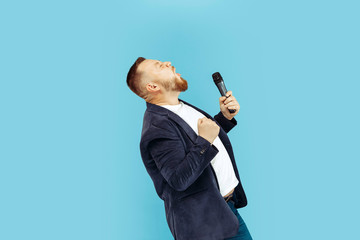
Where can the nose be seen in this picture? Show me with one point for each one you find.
(167, 64)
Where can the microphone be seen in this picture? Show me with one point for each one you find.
(219, 82)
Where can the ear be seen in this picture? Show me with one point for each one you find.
(152, 87)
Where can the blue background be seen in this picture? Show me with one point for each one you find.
(70, 126)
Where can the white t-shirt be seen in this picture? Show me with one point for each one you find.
(221, 163)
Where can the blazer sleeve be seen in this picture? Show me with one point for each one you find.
(225, 123)
(180, 167)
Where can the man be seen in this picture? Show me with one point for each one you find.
(188, 156)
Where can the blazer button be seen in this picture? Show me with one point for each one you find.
(202, 151)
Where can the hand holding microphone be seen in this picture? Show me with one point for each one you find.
(228, 104)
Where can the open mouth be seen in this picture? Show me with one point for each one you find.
(176, 72)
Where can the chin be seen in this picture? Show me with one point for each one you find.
(182, 86)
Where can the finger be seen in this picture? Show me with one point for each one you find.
(230, 104)
(233, 107)
(221, 99)
(204, 119)
(229, 93)
(229, 99)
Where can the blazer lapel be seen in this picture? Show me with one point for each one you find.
(189, 131)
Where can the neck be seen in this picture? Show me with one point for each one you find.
(170, 98)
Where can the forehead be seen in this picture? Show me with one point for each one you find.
(147, 64)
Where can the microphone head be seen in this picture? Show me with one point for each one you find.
(217, 77)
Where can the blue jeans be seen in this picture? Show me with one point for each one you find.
(243, 232)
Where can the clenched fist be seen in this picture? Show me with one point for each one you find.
(208, 129)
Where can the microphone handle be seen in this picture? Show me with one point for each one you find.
(221, 86)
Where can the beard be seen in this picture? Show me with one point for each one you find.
(178, 85)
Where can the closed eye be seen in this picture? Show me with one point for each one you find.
(158, 64)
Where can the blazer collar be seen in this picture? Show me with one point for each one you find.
(164, 111)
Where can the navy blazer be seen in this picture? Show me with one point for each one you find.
(178, 162)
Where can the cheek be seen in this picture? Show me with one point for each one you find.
(161, 77)
(167, 75)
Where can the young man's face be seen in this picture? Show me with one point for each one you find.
(163, 73)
